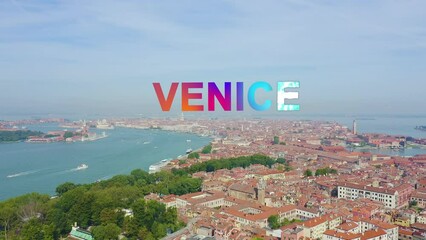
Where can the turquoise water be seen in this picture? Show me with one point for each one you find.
(41, 167)
(396, 152)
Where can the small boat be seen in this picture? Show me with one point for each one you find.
(189, 150)
(188, 140)
(82, 167)
(13, 175)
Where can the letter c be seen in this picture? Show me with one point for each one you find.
(251, 96)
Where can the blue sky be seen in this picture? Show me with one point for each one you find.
(101, 56)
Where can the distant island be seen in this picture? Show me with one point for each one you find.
(421, 128)
(17, 135)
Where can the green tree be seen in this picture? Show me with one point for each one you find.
(68, 134)
(308, 173)
(194, 155)
(412, 203)
(207, 149)
(281, 160)
(7, 216)
(107, 232)
(109, 215)
(159, 230)
(131, 227)
(274, 222)
(82, 210)
(49, 232)
(325, 171)
(65, 187)
(276, 140)
(32, 230)
(59, 219)
(145, 234)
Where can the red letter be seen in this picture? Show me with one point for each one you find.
(186, 96)
(166, 104)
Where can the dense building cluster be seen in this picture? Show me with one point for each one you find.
(368, 196)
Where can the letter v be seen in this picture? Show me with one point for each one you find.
(166, 104)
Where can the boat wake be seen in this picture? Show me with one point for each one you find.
(21, 174)
(80, 167)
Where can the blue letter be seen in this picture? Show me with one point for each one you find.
(251, 96)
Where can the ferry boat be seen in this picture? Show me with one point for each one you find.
(189, 150)
(82, 167)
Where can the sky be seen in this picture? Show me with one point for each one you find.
(102, 56)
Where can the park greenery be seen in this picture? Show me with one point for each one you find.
(325, 171)
(319, 172)
(285, 164)
(275, 223)
(68, 134)
(102, 206)
(18, 135)
(207, 149)
(227, 163)
(194, 155)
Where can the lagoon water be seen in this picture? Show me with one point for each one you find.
(33, 167)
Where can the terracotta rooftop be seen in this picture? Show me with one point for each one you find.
(342, 236)
(347, 226)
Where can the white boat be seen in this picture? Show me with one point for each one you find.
(157, 166)
(189, 150)
(188, 140)
(82, 167)
(153, 168)
(13, 175)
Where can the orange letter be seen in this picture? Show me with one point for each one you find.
(186, 96)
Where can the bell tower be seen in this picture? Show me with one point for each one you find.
(260, 190)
